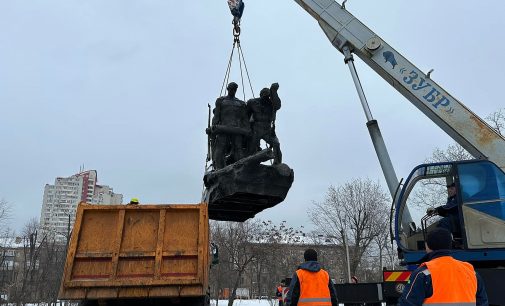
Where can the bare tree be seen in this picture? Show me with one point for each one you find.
(354, 214)
(30, 227)
(218, 272)
(26, 281)
(252, 254)
(6, 268)
(7, 258)
(430, 191)
(453, 152)
(52, 261)
(276, 262)
(5, 215)
(385, 250)
(497, 120)
(382, 240)
(237, 251)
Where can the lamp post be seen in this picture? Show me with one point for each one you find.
(344, 238)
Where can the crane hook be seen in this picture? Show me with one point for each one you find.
(236, 9)
(236, 28)
(343, 4)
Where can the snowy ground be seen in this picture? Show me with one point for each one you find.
(225, 303)
(221, 303)
(246, 303)
(252, 303)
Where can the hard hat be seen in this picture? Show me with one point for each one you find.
(134, 201)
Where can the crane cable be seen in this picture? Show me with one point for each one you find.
(236, 8)
(241, 58)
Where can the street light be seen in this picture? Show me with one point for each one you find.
(344, 238)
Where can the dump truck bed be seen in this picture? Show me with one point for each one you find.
(137, 251)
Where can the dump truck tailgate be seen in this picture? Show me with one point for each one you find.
(136, 251)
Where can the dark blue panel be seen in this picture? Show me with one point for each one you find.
(481, 181)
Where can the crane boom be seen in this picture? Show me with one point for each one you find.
(452, 116)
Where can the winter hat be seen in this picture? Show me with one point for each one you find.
(310, 255)
(439, 239)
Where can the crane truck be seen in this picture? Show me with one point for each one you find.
(480, 183)
(172, 261)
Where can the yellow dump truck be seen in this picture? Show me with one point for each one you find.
(138, 255)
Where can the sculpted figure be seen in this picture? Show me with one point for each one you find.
(262, 112)
(230, 127)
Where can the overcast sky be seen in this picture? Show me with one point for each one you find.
(122, 87)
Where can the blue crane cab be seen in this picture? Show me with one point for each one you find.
(476, 214)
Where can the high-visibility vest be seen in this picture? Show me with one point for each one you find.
(314, 289)
(453, 281)
(279, 293)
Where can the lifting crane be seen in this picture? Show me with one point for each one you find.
(480, 183)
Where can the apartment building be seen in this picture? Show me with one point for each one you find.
(60, 201)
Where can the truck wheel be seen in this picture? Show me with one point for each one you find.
(203, 301)
(206, 300)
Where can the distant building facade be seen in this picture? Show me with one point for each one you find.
(262, 277)
(30, 269)
(60, 201)
(274, 263)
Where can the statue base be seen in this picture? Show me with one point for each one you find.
(241, 190)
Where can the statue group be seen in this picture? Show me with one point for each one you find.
(238, 127)
(240, 186)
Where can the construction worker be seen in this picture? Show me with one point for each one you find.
(441, 279)
(278, 294)
(134, 201)
(311, 285)
(449, 212)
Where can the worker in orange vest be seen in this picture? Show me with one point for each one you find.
(278, 294)
(441, 279)
(311, 285)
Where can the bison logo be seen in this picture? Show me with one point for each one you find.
(390, 57)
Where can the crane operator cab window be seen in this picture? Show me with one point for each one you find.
(467, 198)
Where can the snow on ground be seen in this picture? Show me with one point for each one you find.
(221, 303)
(253, 303)
(246, 303)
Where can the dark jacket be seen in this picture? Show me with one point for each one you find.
(294, 287)
(450, 208)
(420, 286)
(450, 214)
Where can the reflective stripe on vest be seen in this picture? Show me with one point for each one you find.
(453, 281)
(314, 289)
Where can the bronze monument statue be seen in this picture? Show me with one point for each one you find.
(230, 128)
(262, 112)
(239, 185)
